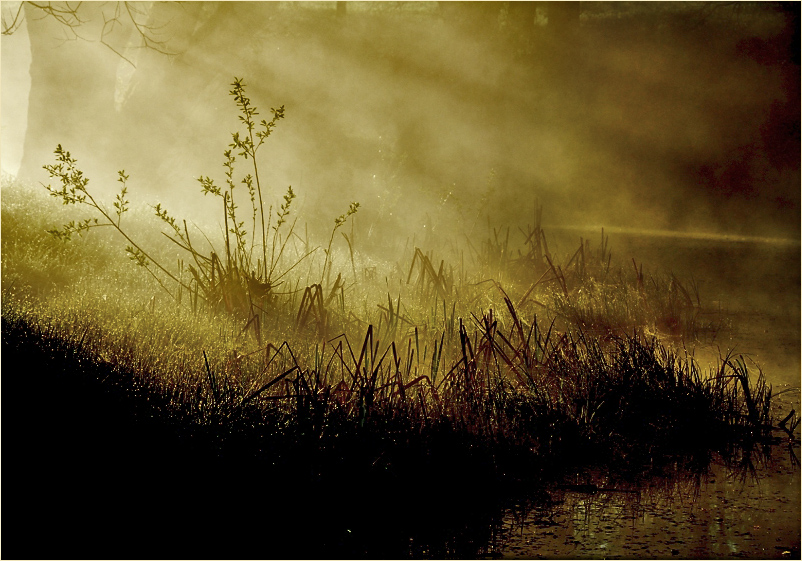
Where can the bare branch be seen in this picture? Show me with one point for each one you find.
(9, 29)
(146, 32)
(68, 16)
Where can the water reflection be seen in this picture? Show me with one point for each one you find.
(724, 511)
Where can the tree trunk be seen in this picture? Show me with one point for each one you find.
(71, 101)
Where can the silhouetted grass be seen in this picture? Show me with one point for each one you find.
(589, 373)
(430, 394)
(353, 443)
(523, 387)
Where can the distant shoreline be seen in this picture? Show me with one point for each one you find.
(678, 234)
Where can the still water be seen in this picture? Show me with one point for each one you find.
(751, 510)
(727, 512)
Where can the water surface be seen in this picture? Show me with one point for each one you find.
(728, 512)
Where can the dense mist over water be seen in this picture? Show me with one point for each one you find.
(439, 118)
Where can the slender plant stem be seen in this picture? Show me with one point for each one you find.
(261, 204)
(132, 242)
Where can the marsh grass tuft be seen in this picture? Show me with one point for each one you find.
(243, 277)
(519, 387)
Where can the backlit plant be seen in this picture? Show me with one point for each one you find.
(241, 279)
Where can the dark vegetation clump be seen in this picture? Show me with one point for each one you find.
(303, 444)
(434, 404)
(152, 480)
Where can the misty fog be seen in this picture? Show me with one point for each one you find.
(439, 118)
(549, 395)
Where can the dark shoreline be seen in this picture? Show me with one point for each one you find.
(102, 461)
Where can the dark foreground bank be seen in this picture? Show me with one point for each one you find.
(107, 463)
(101, 465)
